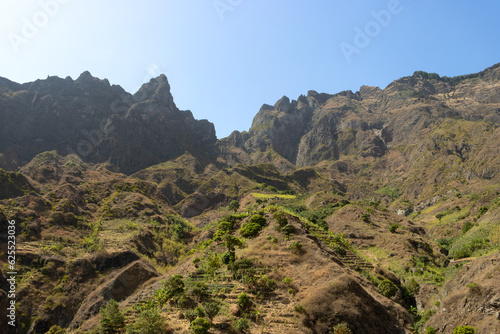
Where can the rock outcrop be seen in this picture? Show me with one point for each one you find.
(118, 287)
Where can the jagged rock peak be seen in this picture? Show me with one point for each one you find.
(157, 89)
(86, 78)
(282, 104)
(266, 107)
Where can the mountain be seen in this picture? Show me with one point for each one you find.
(98, 122)
(320, 127)
(366, 212)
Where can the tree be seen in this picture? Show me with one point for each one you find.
(149, 321)
(173, 288)
(231, 242)
(228, 257)
(234, 205)
(250, 230)
(112, 319)
(258, 219)
(200, 326)
(281, 218)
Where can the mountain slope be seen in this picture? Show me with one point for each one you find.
(376, 210)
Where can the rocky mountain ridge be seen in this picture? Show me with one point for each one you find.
(99, 122)
(321, 127)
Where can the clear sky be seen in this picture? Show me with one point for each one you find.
(225, 58)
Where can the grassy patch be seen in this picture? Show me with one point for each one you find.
(269, 196)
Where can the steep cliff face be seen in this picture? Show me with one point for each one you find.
(98, 122)
(367, 123)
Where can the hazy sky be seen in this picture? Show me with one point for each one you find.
(225, 58)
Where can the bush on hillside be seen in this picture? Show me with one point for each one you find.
(464, 330)
(387, 288)
(112, 319)
(149, 321)
(250, 230)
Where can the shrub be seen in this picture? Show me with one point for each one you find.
(430, 330)
(250, 230)
(483, 210)
(56, 330)
(200, 313)
(190, 315)
(242, 324)
(280, 218)
(234, 205)
(211, 309)
(148, 322)
(243, 301)
(287, 281)
(387, 288)
(288, 230)
(341, 329)
(200, 291)
(200, 326)
(231, 242)
(339, 249)
(272, 239)
(112, 319)
(295, 247)
(299, 308)
(464, 330)
(224, 228)
(393, 228)
(266, 284)
(473, 287)
(365, 217)
(258, 219)
(174, 286)
(228, 257)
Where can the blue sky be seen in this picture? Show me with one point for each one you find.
(225, 58)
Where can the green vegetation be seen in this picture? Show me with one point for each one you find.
(295, 247)
(464, 330)
(390, 191)
(112, 319)
(234, 205)
(56, 330)
(242, 324)
(270, 196)
(200, 326)
(250, 230)
(149, 321)
(388, 288)
(474, 240)
(430, 330)
(244, 301)
(394, 227)
(340, 329)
